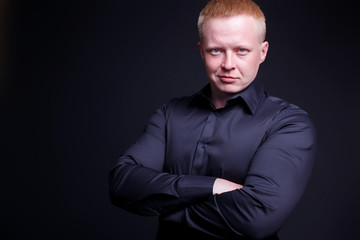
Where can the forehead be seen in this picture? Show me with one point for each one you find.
(235, 28)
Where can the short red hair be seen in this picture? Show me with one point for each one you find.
(228, 8)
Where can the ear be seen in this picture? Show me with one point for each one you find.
(264, 49)
(201, 50)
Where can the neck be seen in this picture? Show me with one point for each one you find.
(219, 102)
(219, 98)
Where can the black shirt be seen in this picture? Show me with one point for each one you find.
(259, 141)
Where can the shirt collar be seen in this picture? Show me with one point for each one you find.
(252, 96)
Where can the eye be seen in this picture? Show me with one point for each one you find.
(242, 51)
(215, 51)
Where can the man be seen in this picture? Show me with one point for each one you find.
(230, 162)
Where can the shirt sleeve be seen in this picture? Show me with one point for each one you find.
(138, 184)
(274, 184)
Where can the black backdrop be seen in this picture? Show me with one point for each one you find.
(81, 78)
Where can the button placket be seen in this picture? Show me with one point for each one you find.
(201, 157)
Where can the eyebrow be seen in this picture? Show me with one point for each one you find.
(241, 46)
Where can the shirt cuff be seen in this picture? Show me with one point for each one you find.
(194, 188)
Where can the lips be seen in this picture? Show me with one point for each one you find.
(227, 79)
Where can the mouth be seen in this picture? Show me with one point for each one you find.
(227, 79)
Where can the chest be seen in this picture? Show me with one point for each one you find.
(211, 143)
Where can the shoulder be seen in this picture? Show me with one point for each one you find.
(177, 104)
(279, 108)
(285, 115)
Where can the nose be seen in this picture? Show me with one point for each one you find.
(228, 63)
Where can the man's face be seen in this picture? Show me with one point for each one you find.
(232, 52)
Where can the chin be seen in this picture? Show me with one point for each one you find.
(231, 89)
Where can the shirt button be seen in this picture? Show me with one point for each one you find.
(204, 146)
(217, 114)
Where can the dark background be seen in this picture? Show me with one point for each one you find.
(79, 80)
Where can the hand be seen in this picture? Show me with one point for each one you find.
(222, 185)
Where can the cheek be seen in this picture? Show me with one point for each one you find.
(212, 65)
(249, 67)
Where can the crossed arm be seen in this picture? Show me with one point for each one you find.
(257, 208)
